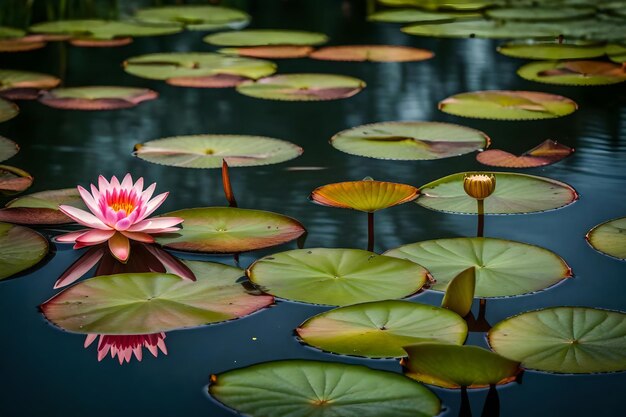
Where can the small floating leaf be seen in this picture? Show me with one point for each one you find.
(96, 97)
(364, 195)
(576, 340)
(14, 180)
(8, 148)
(609, 238)
(380, 329)
(535, 14)
(266, 37)
(413, 16)
(195, 17)
(16, 84)
(546, 153)
(8, 110)
(573, 72)
(42, 208)
(103, 29)
(373, 53)
(269, 52)
(460, 292)
(20, 249)
(553, 49)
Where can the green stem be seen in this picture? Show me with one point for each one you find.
(370, 232)
(481, 218)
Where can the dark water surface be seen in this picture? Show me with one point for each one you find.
(46, 372)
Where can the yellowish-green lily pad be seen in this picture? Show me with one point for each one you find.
(609, 238)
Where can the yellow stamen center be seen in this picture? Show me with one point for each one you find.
(123, 205)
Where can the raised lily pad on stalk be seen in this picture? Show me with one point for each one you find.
(577, 340)
(380, 329)
(269, 52)
(336, 276)
(8, 110)
(20, 249)
(514, 194)
(96, 97)
(535, 14)
(302, 87)
(409, 141)
(195, 17)
(208, 151)
(230, 230)
(93, 29)
(14, 180)
(145, 303)
(266, 37)
(372, 53)
(573, 72)
(609, 238)
(546, 153)
(299, 388)
(415, 16)
(481, 29)
(503, 267)
(508, 105)
(8, 148)
(553, 49)
(15, 84)
(42, 208)
(452, 366)
(365, 195)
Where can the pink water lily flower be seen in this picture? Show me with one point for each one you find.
(125, 346)
(119, 214)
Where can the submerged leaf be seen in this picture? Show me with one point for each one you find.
(460, 292)
(609, 238)
(546, 153)
(365, 195)
(20, 249)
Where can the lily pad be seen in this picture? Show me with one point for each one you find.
(409, 141)
(96, 97)
(8, 148)
(336, 276)
(266, 37)
(20, 249)
(9, 32)
(442, 4)
(576, 340)
(14, 180)
(8, 110)
(230, 230)
(195, 17)
(102, 29)
(616, 52)
(302, 87)
(452, 366)
(42, 208)
(514, 194)
(609, 238)
(372, 53)
(101, 43)
(380, 329)
(366, 195)
(411, 16)
(503, 268)
(508, 105)
(208, 151)
(534, 14)
(144, 303)
(490, 29)
(298, 388)
(460, 292)
(551, 49)
(573, 72)
(269, 52)
(546, 153)
(21, 44)
(17, 85)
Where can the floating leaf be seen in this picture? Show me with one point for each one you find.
(616, 52)
(442, 4)
(534, 13)
(503, 267)
(20, 249)
(144, 303)
(514, 194)
(452, 366)
(553, 49)
(230, 230)
(508, 105)
(298, 388)
(8, 148)
(609, 238)
(366, 195)
(17, 85)
(336, 276)
(266, 37)
(460, 292)
(14, 180)
(8, 32)
(302, 87)
(42, 208)
(576, 340)
(101, 43)
(481, 29)
(373, 53)
(270, 52)
(208, 151)
(96, 97)
(408, 141)
(103, 29)
(8, 110)
(546, 153)
(195, 17)
(413, 16)
(22, 44)
(380, 329)
(573, 72)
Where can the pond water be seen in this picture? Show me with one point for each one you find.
(48, 372)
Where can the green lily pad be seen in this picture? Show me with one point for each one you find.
(573, 72)
(380, 329)
(14, 180)
(195, 17)
(208, 151)
(551, 49)
(452, 366)
(576, 340)
(409, 141)
(103, 29)
(616, 52)
(8, 148)
(514, 194)
(609, 238)
(302, 87)
(534, 14)
(413, 16)
(480, 29)
(8, 32)
(299, 388)
(96, 97)
(441, 4)
(42, 208)
(8, 110)
(371, 53)
(13, 83)
(230, 230)
(20, 249)
(503, 268)
(508, 105)
(145, 303)
(336, 276)
(266, 37)
(460, 292)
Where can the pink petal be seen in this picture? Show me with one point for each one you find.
(84, 218)
(89, 200)
(145, 196)
(153, 204)
(138, 236)
(138, 187)
(174, 265)
(115, 183)
(123, 224)
(89, 339)
(127, 182)
(156, 224)
(93, 237)
(80, 268)
(95, 192)
(70, 237)
(103, 185)
(120, 247)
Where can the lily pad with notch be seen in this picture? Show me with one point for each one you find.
(266, 37)
(546, 153)
(42, 208)
(372, 53)
(609, 238)
(195, 17)
(20, 248)
(573, 72)
(96, 97)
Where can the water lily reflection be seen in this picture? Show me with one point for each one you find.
(125, 346)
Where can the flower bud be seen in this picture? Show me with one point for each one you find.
(479, 186)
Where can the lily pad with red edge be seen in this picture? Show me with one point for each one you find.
(508, 105)
(609, 238)
(20, 249)
(302, 388)
(571, 340)
(14, 180)
(230, 230)
(266, 37)
(96, 97)
(546, 153)
(336, 276)
(210, 81)
(553, 49)
(195, 17)
(504, 268)
(269, 52)
(19, 85)
(365, 195)
(144, 303)
(8, 110)
(452, 366)
(42, 208)
(22, 44)
(208, 151)
(102, 30)
(514, 194)
(380, 329)
(408, 141)
(573, 72)
(373, 53)
(302, 87)
(101, 43)
(8, 148)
